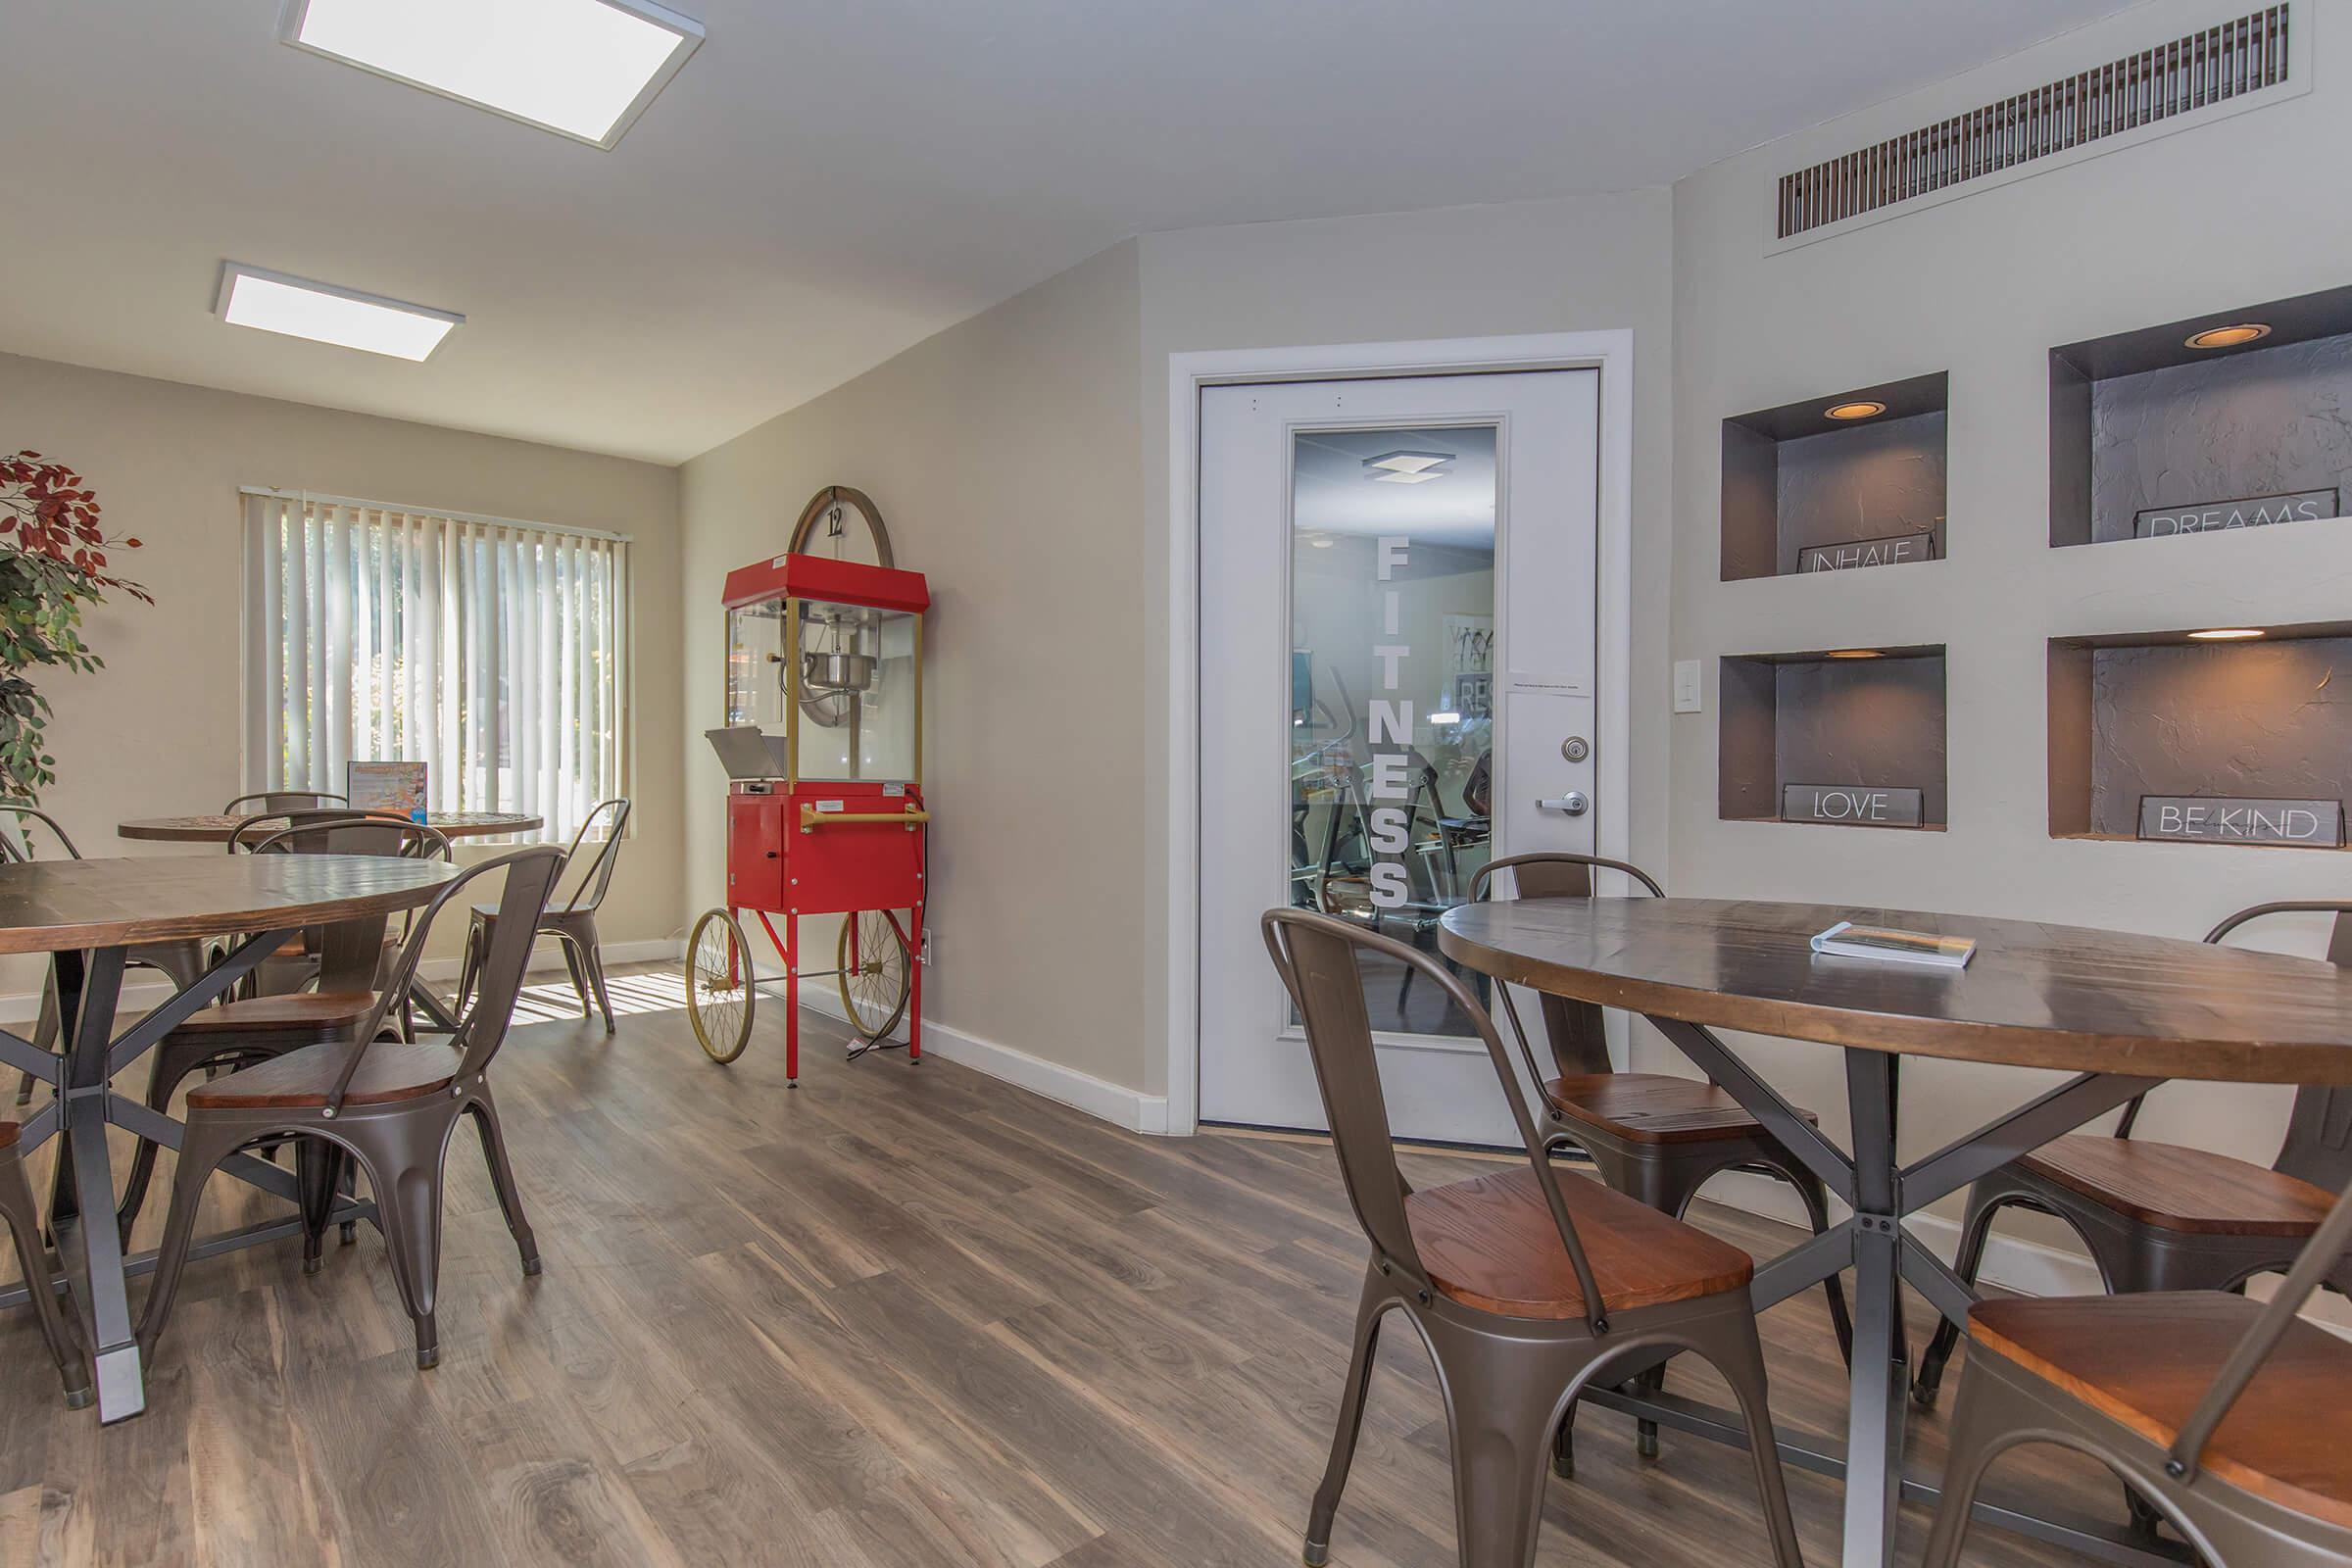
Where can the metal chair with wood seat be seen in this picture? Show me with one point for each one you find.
(571, 921)
(1523, 1285)
(1652, 1135)
(23, 1220)
(387, 1108)
(349, 964)
(2161, 1217)
(2232, 1420)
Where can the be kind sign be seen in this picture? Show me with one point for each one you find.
(2224, 819)
(2253, 512)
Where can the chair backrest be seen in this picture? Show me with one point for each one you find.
(596, 875)
(278, 802)
(1315, 955)
(2319, 1131)
(2319, 1259)
(20, 845)
(1579, 1036)
(530, 876)
(353, 833)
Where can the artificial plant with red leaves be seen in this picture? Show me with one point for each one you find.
(52, 563)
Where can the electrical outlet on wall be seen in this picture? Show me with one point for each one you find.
(926, 958)
(1686, 696)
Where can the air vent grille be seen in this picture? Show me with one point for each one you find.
(2156, 84)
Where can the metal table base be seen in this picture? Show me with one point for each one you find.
(1883, 1191)
(89, 987)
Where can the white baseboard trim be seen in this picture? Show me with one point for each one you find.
(1121, 1107)
(23, 1008)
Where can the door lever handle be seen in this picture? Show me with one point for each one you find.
(1574, 802)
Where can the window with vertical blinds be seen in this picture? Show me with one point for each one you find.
(494, 651)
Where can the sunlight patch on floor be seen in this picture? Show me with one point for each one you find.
(647, 991)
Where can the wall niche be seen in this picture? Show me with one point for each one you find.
(1851, 718)
(1794, 478)
(2160, 713)
(2153, 436)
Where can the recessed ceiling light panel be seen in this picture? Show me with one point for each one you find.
(297, 307)
(1408, 467)
(583, 68)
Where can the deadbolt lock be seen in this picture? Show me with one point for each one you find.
(1576, 747)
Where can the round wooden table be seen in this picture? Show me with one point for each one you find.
(89, 914)
(216, 829)
(2123, 1012)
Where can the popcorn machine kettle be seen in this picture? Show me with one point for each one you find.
(823, 748)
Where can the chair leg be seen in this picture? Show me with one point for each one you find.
(163, 1082)
(318, 1178)
(1817, 1211)
(1501, 1398)
(1978, 1422)
(579, 975)
(501, 1178)
(201, 1151)
(1739, 1357)
(1350, 1422)
(404, 1172)
(591, 954)
(24, 1230)
(1976, 1225)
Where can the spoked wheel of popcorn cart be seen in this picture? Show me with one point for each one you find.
(826, 811)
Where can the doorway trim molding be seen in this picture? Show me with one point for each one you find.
(1611, 353)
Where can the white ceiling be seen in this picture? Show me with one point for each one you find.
(825, 185)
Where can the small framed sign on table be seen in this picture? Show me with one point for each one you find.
(2229, 819)
(397, 788)
(1853, 804)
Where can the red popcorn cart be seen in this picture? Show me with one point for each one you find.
(823, 748)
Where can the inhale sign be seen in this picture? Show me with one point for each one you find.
(2253, 512)
(2225, 819)
(1854, 805)
(1891, 551)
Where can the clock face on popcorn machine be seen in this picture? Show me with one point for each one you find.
(826, 816)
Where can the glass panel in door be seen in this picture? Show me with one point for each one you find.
(1391, 690)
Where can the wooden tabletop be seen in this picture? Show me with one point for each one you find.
(216, 829)
(2035, 995)
(51, 905)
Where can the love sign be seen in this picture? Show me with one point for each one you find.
(1853, 804)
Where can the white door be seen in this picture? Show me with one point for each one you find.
(1397, 668)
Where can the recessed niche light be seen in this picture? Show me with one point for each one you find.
(2226, 634)
(583, 68)
(1855, 653)
(1323, 543)
(1861, 409)
(297, 307)
(2229, 337)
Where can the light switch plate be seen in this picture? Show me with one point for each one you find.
(1687, 699)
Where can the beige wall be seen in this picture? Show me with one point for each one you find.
(1586, 264)
(158, 732)
(1004, 453)
(2229, 213)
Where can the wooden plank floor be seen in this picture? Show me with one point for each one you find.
(895, 1317)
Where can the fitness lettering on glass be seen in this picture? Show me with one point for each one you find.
(1853, 805)
(2228, 820)
(2251, 511)
(1390, 775)
(1893, 550)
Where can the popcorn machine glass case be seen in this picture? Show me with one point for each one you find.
(825, 810)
